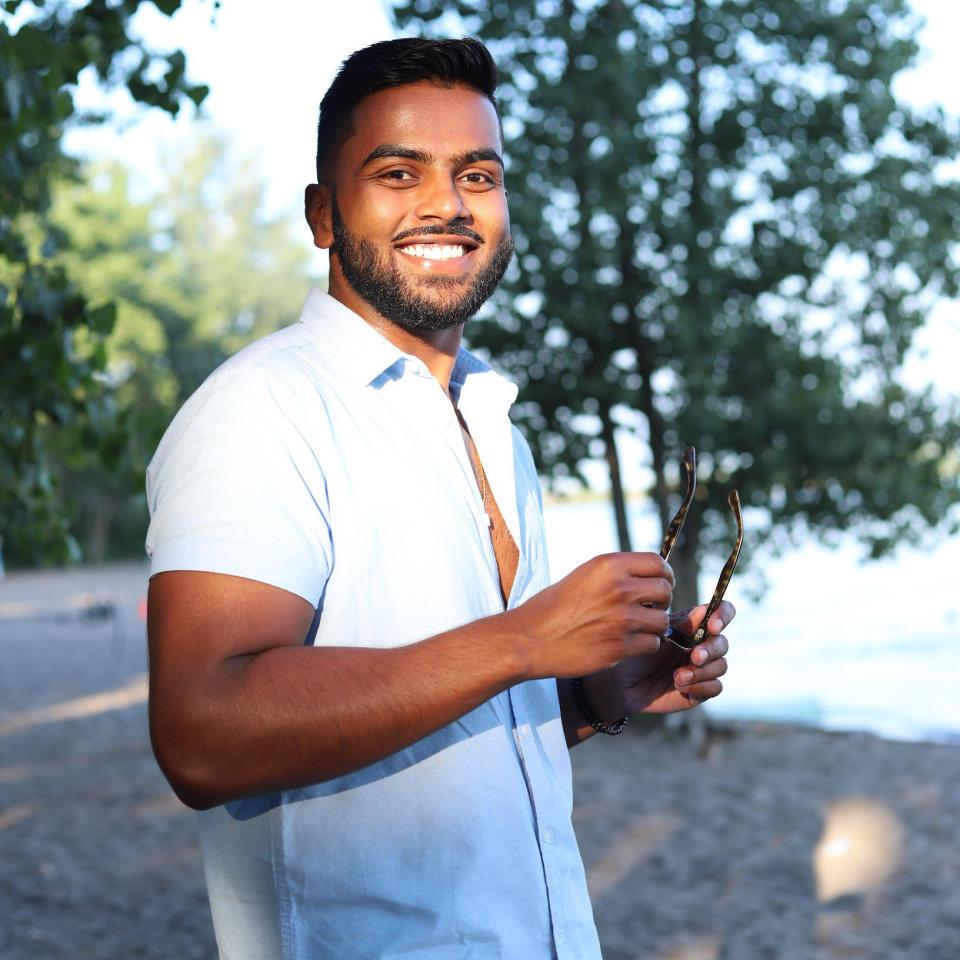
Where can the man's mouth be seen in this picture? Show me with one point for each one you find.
(442, 245)
(435, 251)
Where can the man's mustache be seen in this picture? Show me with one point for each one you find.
(450, 229)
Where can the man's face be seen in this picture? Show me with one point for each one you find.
(420, 230)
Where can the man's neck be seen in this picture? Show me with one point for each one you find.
(437, 349)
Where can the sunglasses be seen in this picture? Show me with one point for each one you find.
(677, 637)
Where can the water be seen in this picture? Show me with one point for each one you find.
(834, 643)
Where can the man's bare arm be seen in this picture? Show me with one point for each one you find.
(240, 706)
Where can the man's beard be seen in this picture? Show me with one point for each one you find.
(393, 295)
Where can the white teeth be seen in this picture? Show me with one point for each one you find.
(434, 251)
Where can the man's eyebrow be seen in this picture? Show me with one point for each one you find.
(477, 156)
(391, 150)
(395, 151)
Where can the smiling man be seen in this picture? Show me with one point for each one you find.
(359, 670)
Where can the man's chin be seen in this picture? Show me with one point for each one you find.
(430, 316)
(448, 294)
(437, 283)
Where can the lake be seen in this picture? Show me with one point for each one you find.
(835, 642)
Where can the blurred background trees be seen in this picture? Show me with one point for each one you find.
(114, 302)
(52, 340)
(728, 232)
(195, 270)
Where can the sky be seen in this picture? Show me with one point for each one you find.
(266, 75)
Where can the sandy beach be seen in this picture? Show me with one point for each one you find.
(761, 842)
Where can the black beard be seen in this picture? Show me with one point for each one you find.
(391, 294)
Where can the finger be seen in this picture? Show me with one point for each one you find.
(642, 644)
(646, 621)
(724, 614)
(647, 565)
(650, 591)
(687, 621)
(703, 691)
(711, 649)
(686, 678)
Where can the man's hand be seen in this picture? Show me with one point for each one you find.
(671, 679)
(665, 680)
(610, 608)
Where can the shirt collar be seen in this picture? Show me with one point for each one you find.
(364, 354)
(358, 350)
(473, 382)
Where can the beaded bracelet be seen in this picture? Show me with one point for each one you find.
(611, 729)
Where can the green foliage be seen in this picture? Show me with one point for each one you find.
(194, 271)
(728, 231)
(52, 341)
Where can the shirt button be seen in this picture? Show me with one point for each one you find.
(548, 835)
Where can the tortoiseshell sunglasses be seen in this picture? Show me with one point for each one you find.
(677, 637)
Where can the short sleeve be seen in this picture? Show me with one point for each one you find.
(236, 488)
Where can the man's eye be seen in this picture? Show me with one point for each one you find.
(398, 175)
(476, 178)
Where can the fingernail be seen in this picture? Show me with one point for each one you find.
(683, 677)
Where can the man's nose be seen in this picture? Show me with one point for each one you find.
(439, 198)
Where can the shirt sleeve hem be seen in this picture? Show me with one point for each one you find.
(235, 560)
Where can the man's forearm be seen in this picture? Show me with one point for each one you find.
(240, 706)
(294, 715)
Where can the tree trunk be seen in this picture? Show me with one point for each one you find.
(100, 511)
(616, 480)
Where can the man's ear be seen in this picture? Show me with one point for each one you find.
(318, 209)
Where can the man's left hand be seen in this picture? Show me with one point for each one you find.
(671, 679)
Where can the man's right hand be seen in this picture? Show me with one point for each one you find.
(611, 607)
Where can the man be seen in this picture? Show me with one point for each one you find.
(354, 646)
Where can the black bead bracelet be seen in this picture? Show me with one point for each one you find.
(611, 729)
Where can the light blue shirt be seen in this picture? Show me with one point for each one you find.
(325, 461)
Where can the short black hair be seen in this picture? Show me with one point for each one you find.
(394, 63)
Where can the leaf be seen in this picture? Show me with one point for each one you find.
(168, 7)
(101, 319)
(198, 93)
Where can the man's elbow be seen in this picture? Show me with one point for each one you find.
(189, 768)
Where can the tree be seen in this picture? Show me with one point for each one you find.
(195, 270)
(52, 350)
(728, 231)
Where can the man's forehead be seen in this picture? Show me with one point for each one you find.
(424, 116)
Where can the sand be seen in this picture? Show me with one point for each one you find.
(772, 843)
